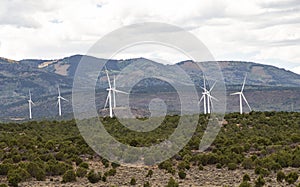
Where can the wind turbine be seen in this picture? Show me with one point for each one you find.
(111, 96)
(207, 97)
(29, 105)
(59, 97)
(242, 96)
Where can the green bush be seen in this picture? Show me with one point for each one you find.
(81, 172)
(146, 184)
(54, 168)
(115, 165)
(181, 174)
(36, 171)
(17, 175)
(232, 166)
(172, 183)
(3, 185)
(133, 181)
(247, 163)
(69, 176)
(245, 184)
(93, 177)
(111, 172)
(261, 171)
(104, 178)
(291, 178)
(218, 165)
(260, 181)
(280, 176)
(149, 174)
(246, 177)
(200, 167)
(84, 165)
(4, 169)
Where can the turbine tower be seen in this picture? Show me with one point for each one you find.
(29, 105)
(203, 96)
(59, 97)
(111, 96)
(242, 96)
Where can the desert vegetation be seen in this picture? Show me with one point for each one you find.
(265, 146)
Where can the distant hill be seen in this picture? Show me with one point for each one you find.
(43, 76)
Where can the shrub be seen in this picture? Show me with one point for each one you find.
(146, 184)
(218, 165)
(4, 169)
(172, 183)
(149, 174)
(261, 171)
(93, 177)
(54, 168)
(245, 184)
(84, 165)
(181, 174)
(280, 176)
(3, 185)
(16, 176)
(81, 172)
(36, 171)
(247, 163)
(246, 177)
(104, 178)
(133, 181)
(69, 176)
(200, 167)
(291, 178)
(115, 165)
(260, 181)
(232, 166)
(78, 160)
(111, 172)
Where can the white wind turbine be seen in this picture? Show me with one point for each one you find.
(242, 96)
(207, 97)
(59, 97)
(111, 96)
(29, 105)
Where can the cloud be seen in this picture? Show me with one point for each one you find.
(296, 70)
(232, 30)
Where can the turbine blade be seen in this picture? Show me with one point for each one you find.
(246, 101)
(106, 102)
(201, 99)
(29, 95)
(236, 93)
(64, 99)
(119, 91)
(58, 90)
(204, 89)
(244, 83)
(213, 86)
(212, 97)
(107, 77)
(114, 82)
(204, 84)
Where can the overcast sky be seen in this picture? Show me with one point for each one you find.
(267, 32)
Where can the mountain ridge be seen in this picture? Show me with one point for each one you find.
(43, 76)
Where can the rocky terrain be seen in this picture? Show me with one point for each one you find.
(210, 176)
